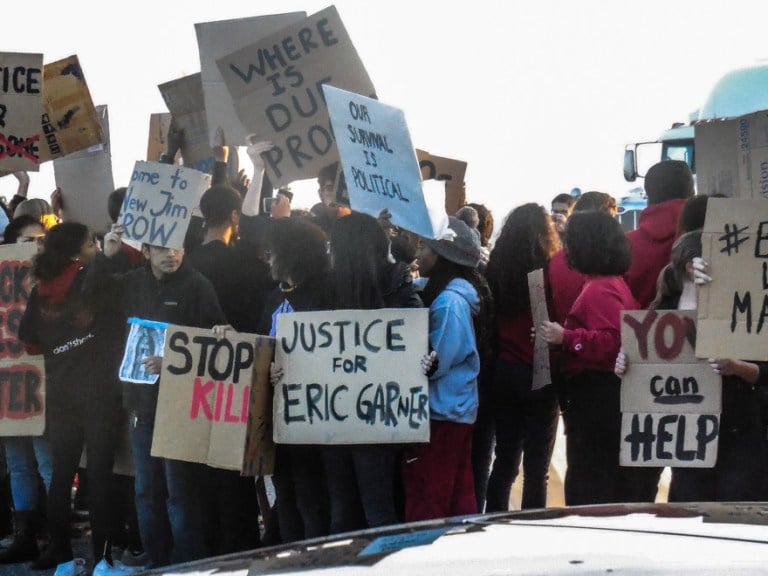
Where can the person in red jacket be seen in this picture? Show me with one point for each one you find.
(668, 184)
(596, 246)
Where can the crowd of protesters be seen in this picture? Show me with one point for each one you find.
(241, 268)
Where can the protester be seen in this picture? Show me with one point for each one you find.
(562, 206)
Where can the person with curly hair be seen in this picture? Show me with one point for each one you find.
(525, 419)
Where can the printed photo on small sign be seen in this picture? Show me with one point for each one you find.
(275, 84)
(184, 98)
(70, 122)
(22, 376)
(733, 308)
(670, 400)
(352, 377)
(205, 397)
(21, 106)
(159, 203)
(379, 161)
(216, 40)
(145, 338)
(447, 169)
(542, 375)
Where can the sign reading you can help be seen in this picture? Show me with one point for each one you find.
(21, 105)
(352, 377)
(380, 164)
(733, 308)
(159, 202)
(670, 400)
(22, 377)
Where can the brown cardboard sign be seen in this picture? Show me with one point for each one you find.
(733, 308)
(69, 121)
(206, 396)
(447, 169)
(542, 375)
(670, 400)
(21, 103)
(22, 377)
(157, 140)
(276, 82)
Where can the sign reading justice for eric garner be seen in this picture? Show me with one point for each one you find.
(352, 377)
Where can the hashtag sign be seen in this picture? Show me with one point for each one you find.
(733, 238)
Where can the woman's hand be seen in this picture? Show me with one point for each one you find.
(429, 363)
(622, 364)
(552, 332)
(700, 271)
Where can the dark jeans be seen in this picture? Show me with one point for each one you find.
(301, 494)
(167, 505)
(360, 486)
(73, 420)
(483, 436)
(231, 511)
(526, 426)
(593, 439)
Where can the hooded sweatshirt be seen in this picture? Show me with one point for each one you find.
(453, 386)
(651, 247)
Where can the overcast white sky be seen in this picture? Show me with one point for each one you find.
(537, 96)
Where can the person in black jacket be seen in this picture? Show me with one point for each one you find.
(165, 289)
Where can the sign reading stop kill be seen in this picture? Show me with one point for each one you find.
(670, 400)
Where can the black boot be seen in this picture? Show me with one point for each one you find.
(54, 554)
(24, 545)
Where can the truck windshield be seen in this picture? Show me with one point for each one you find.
(679, 150)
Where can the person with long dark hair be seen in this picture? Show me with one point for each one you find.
(82, 396)
(525, 419)
(438, 476)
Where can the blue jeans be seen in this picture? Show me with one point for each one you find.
(166, 501)
(27, 457)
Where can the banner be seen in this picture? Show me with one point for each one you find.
(207, 396)
(69, 122)
(159, 203)
(449, 170)
(670, 400)
(733, 308)
(379, 161)
(21, 103)
(542, 375)
(85, 179)
(22, 377)
(352, 377)
(276, 83)
(218, 39)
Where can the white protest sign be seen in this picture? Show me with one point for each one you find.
(670, 400)
(21, 108)
(218, 39)
(352, 377)
(733, 308)
(542, 375)
(145, 338)
(275, 84)
(206, 401)
(380, 164)
(159, 203)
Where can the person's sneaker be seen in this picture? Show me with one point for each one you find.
(134, 558)
(75, 567)
(116, 568)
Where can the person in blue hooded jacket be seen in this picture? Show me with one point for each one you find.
(438, 476)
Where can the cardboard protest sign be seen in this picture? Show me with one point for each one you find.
(184, 98)
(21, 104)
(733, 309)
(275, 84)
(216, 40)
(159, 203)
(352, 377)
(145, 338)
(85, 179)
(447, 169)
(22, 377)
(69, 121)
(542, 375)
(205, 396)
(379, 161)
(157, 141)
(732, 156)
(670, 400)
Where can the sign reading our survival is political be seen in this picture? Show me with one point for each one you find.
(670, 400)
(351, 377)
